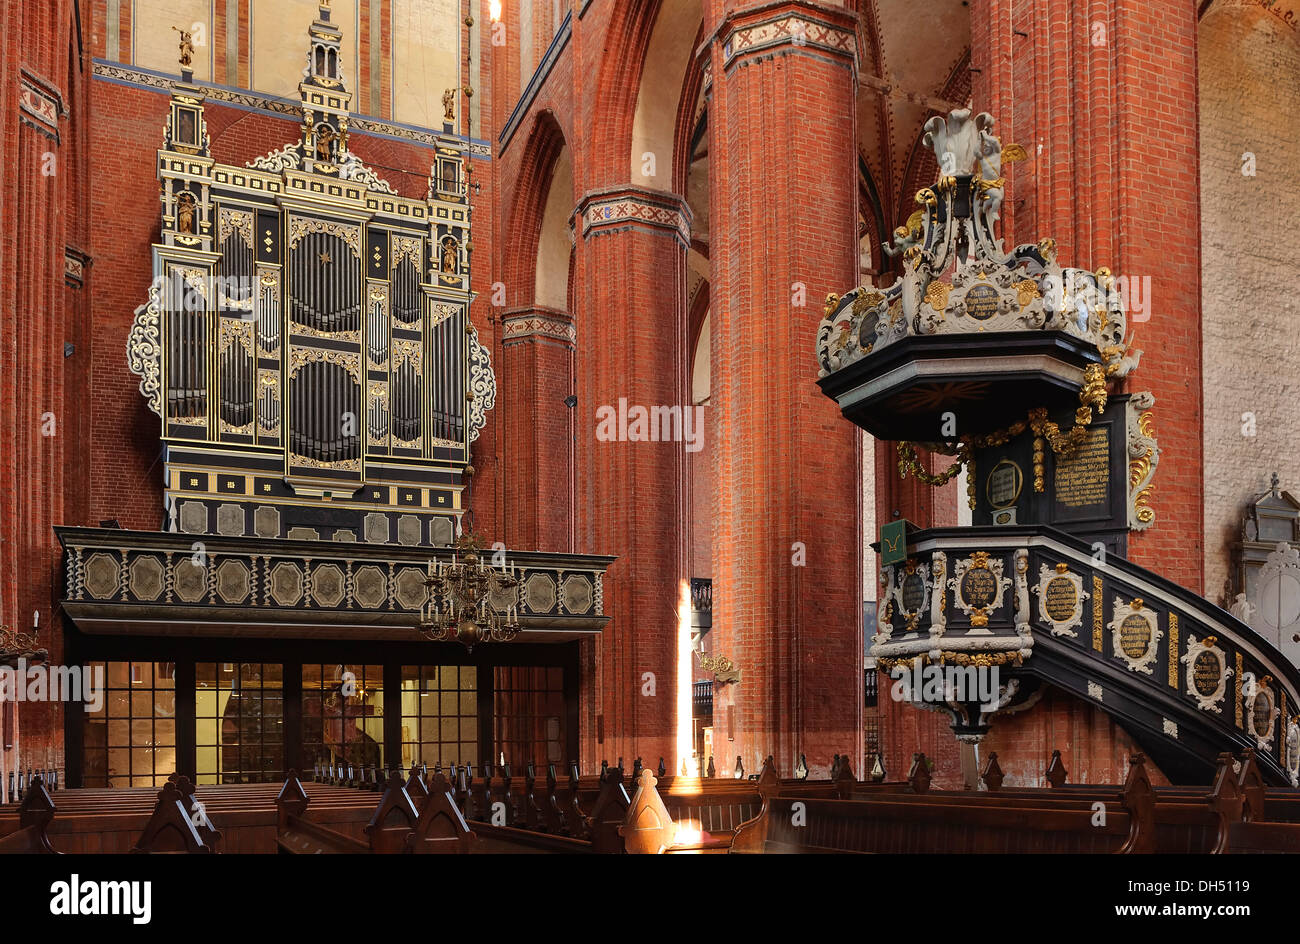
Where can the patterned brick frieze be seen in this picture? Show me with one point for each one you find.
(539, 323)
(622, 207)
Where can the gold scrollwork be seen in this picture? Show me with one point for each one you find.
(440, 313)
(980, 659)
(237, 331)
(1141, 470)
(347, 465)
(300, 226)
(235, 221)
(299, 357)
(406, 247)
(404, 350)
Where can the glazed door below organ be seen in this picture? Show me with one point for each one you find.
(248, 722)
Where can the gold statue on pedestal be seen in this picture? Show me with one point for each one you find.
(187, 47)
(449, 105)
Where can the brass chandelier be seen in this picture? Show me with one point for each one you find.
(469, 600)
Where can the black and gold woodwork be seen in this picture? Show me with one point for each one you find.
(306, 338)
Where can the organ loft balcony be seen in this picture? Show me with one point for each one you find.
(971, 335)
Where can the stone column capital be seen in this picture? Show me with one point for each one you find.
(615, 209)
(537, 321)
(803, 25)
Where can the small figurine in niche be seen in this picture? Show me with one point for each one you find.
(185, 213)
(187, 47)
(188, 129)
(449, 105)
(449, 254)
(324, 139)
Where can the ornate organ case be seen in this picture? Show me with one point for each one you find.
(306, 341)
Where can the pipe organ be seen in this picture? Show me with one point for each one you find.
(306, 342)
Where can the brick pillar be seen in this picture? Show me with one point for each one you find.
(630, 299)
(787, 568)
(537, 375)
(39, 216)
(905, 729)
(1103, 96)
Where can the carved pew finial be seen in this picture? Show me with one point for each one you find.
(878, 771)
(918, 775)
(1250, 785)
(386, 835)
(992, 775)
(291, 801)
(1225, 799)
(1056, 772)
(170, 828)
(440, 829)
(648, 828)
(415, 787)
(608, 813)
(35, 814)
(844, 780)
(1139, 799)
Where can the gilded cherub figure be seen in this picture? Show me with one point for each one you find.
(324, 138)
(187, 47)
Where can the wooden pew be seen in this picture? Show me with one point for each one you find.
(1261, 837)
(34, 816)
(440, 828)
(172, 828)
(393, 819)
(915, 822)
(296, 835)
(1185, 819)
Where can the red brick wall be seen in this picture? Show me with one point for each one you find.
(1094, 748)
(42, 211)
(787, 602)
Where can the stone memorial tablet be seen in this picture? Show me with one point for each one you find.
(1207, 674)
(982, 302)
(913, 593)
(1134, 632)
(1082, 480)
(1135, 636)
(979, 588)
(1061, 599)
(1004, 483)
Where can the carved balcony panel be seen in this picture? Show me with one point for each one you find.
(1185, 678)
